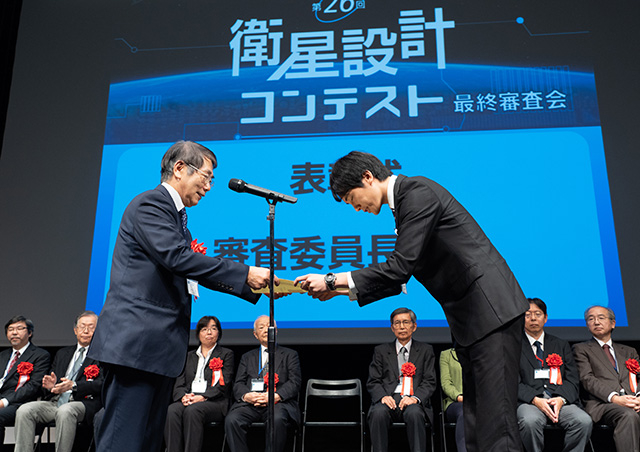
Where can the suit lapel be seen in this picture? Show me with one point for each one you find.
(527, 352)
(28, 353)
(63, 362)
(392, 356)
(598, 353)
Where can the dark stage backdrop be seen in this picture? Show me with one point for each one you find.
(525, 111)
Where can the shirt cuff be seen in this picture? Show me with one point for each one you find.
(5, 402)
(353, 291)
(611, 396)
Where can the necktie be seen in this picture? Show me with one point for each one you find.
(64, 398)
(183, 219)
(16, 355)
(539, 353)
(265, 362)
(540, 358)
(607, 351)
(402, 358)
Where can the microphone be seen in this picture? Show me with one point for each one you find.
(241, 186)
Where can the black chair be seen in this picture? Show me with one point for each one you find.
(444, 427)
(331, 391)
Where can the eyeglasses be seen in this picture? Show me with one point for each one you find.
(601, 318)
(536, 314)
(19, 329)
(89, 328)
(211, 329)
(397, 323)
(206, 178)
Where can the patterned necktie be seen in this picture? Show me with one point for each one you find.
(16, 355)
(64, 398)
(539, 353)
(183, 219)
(402, 358)
(612, 360)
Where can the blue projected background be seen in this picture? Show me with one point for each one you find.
(516, 140)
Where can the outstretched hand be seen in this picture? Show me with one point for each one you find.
(313, 283)
(258, 278)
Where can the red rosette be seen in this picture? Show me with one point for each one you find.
(216, 364)
(408, 370)
(554, 360)
(275, 380)
(198, 247)
(25, 368)
(91, 372)
(633, 366)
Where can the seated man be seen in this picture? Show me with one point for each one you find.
(394, 397)
(250, 392)
(69, 395)
(546, 395)
(22, 366)
(605, 366)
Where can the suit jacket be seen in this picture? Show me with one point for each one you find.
(41, 361)
(87, 392)
(450, 377)
(529, 387)
(289, 375)
(221, 393)
(442, 246)
(597, 375)
(384, 375)
(148, 303)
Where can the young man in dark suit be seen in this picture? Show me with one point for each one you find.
(545, 396)
(22, 366)
(143, 332)
(442, 246)
(71, 393)
(606, 377)
(250, 392)
(395, 399)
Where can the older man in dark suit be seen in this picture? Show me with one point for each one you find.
(608, 374)
(71, 393)
(143, 332)
(23, 366)
(393, 397)
(250, 392)
(443, 247)
(547, 396)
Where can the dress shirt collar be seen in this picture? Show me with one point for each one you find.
(177, 200)
(199, 352)
(390, 198)
(532, 340)
(399, 346)
(22, 350)
(601, 344)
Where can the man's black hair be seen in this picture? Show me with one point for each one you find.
(539, 303)
(348, 171)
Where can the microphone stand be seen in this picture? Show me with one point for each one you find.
(271, 344)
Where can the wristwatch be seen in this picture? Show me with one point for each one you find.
(330, 281)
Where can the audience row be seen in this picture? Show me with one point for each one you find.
(594, 382)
